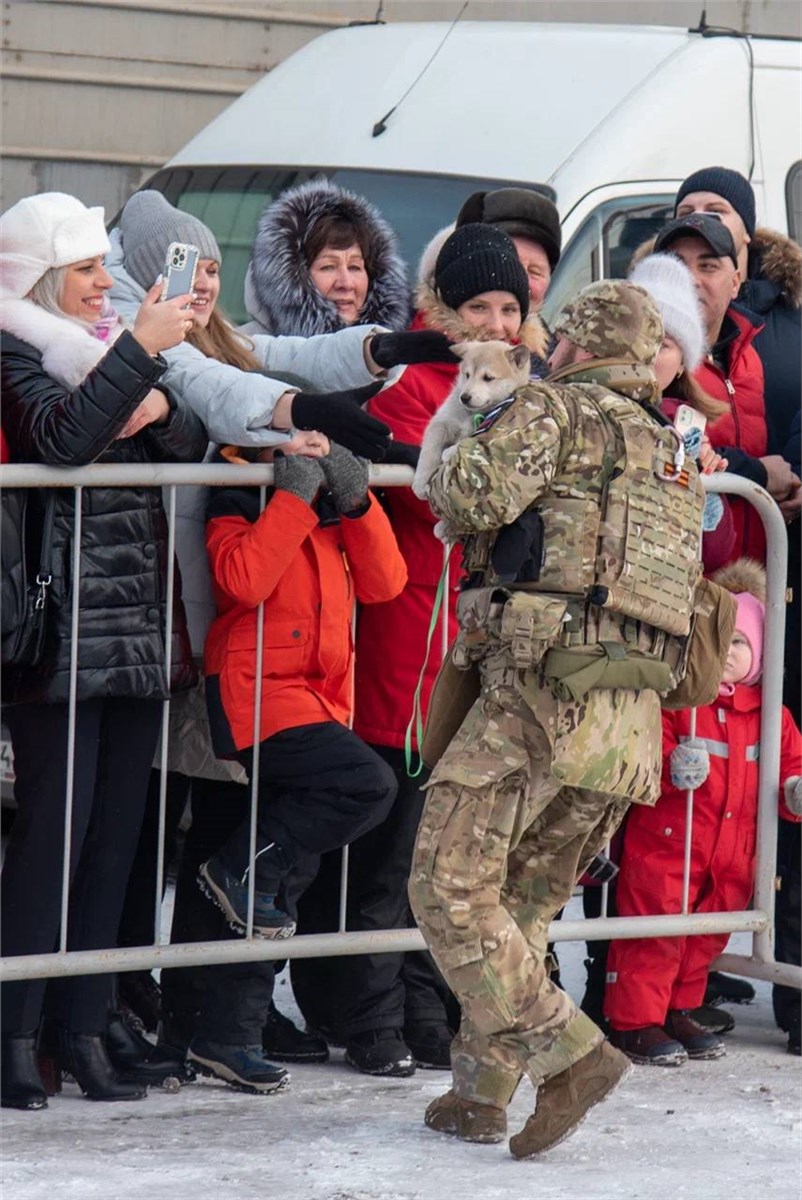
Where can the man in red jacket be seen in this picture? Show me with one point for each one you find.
(732, 371)
(321, 544)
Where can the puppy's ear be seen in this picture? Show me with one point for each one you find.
(519, 357)
(460, 349)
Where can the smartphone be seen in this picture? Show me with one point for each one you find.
(179, 269)
(687, 418)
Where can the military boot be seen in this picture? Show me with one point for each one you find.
(563, 1100)
(469, 1121)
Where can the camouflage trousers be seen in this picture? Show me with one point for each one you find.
(500, 847)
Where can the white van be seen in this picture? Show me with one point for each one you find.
(609, 119)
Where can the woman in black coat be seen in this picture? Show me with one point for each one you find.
(77, 387)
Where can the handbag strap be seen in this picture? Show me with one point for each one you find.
(44, 576)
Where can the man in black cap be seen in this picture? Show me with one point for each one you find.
(733, 371)
(533, 223)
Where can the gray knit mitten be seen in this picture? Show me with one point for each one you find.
(347, 478)
(299, 475)
(793, 794)
(690, 764)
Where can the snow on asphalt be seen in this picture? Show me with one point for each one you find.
(724, 1130)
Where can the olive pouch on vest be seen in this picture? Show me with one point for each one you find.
(573, 672)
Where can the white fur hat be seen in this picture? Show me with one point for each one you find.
(669, 282)
(40, 232)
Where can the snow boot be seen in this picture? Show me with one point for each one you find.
(697, 1040)
(430, 1046)
(230, 894)
(564, 1100)
(284, 1042)
(22, 1085)
(649, 1045)
(467, 1120)
(794, 1045)
(380, 1052)
(136, 1060)
(716, 1020)
(726, 989)
(244, 1068)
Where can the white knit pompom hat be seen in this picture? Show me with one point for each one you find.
(669, 282)
(40, 232)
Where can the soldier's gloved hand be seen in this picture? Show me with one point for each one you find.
(298, 474)
(347, 478)
(340, 416)
(393, 349)
(690, 764)
(793, 794)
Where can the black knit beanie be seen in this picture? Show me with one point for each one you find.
(519, 212)
(730, 185)
(476, 259)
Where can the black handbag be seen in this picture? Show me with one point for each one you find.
(24, 597)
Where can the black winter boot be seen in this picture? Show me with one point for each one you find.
(21, 1082)
(726, 989)
(285, 1042)
(430, 1046)
(84, 1056)
(697, 1040)
(715, 1020)
(380, 1052)
(136, 1060)
(650, 1045)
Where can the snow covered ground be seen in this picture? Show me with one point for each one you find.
(725, 1130)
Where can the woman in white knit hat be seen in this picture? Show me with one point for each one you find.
(78, 387)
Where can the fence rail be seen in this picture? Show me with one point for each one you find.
(757, 921)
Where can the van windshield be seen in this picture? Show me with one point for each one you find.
(230, 201)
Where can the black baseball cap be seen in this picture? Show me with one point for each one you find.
(702, 225)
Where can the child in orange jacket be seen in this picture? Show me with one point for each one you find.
(321, 543)
(653, 984)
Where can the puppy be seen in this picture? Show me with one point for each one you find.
(489, 373)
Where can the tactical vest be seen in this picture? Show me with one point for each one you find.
(619, 565)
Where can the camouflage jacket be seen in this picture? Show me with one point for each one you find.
(554, 440)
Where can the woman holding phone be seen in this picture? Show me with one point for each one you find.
(79, 387)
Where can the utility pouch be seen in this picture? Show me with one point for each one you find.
(478, 611)
(572, 673)
(531, 622)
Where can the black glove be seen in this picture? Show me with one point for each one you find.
(392, 349)
(339, 415)
(347, 478)
(517, 554)
(298, 474)
(402, 454)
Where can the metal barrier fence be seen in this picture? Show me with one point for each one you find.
(758, 921)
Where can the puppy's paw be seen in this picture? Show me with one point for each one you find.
(448, 453)
(444, 533)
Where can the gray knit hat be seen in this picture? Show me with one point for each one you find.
(148, 224)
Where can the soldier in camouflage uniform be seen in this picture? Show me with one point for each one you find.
(573, 649)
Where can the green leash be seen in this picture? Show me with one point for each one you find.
(416, 720)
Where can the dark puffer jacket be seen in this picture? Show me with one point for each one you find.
(773, 292)
(122, 610)
(279, 292)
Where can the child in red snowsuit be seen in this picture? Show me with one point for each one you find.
(653, 983)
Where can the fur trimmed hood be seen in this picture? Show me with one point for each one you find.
(279, 292)
(772, 256)
(743, 575)
(437, 315)
(68, 351)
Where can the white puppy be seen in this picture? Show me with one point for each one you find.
(489, 373)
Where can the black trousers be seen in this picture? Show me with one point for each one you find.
(115, 741)
(138, 920)
(787, 1001)
(320, 787)
(345, 996)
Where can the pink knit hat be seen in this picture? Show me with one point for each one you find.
(749, 622)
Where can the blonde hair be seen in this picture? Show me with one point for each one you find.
(685, 388)
(47, 291)
(219, 340)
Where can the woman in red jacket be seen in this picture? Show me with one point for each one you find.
(321, 544)
(393, 1012)
(654, 984)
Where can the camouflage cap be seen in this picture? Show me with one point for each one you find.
(613, 319)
